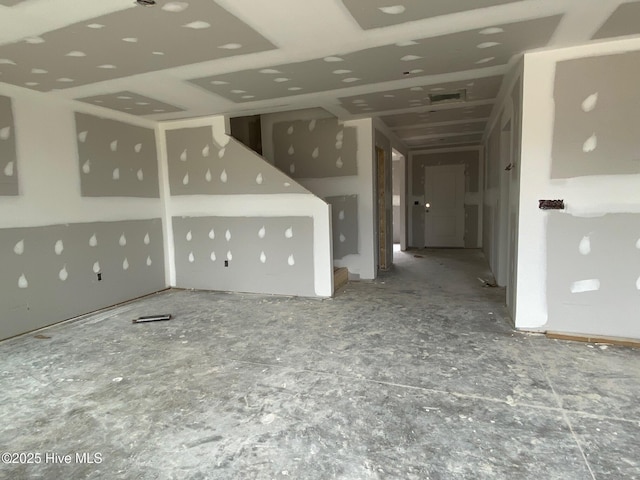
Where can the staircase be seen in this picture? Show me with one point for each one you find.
(340, 278)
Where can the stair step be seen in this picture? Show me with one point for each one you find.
(340, 278)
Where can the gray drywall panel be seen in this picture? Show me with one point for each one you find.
(198, 165)
(469, 159)
(487, 232)
(475, 89)
(417, 234)
(128, 42)
(8, 157)
(493, 159)
(315, 148)
(471, 226)
(344, 213)
(132, 103)
(49, 273)
(383, 13)
(452, 114)
(624, 21)
(597, 116)
(116, 159)
(384, 63)
(265, 254)
(593, 274)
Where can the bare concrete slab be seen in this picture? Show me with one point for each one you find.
(415, 375)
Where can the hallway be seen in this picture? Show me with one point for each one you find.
(417, 375)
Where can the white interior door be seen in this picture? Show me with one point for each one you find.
(444, 206)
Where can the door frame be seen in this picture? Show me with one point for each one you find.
(382, 188)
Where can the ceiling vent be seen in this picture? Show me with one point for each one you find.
(448, 97)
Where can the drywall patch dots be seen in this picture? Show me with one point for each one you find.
(589, 103)
(582, 286)
(585, 245)
(116, 151)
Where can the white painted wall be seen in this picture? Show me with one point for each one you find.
(273, 205)
(362, 265)
(48, 171)
(584, 196)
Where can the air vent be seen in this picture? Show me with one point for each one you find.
(448, 97)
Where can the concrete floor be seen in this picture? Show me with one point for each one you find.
(417, 375)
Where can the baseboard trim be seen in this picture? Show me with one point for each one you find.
(575, 337)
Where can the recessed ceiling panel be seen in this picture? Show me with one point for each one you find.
(132, 103)
(624, 21)
(429, 130)
(430, 56)
(437, 116)
(128, 42)
(478, 89)
(445, 141)
(384, 13)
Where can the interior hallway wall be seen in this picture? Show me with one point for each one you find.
(579, 268)
(79, 200)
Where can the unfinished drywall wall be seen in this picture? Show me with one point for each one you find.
(593, 272)
(361, 264)
(344, 220)
(8, 158)
(53, 240)
(593, 241)
(58, 272)
(315, 148)
(595, 127)
(246, 254)
(470, 158)
(201, 164)
(253, 195)
(116, 159)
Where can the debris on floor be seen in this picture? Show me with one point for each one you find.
(152, 318)
(419, 256)
(486, 283)
(41, 337)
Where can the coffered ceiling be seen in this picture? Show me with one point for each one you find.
(355, 58)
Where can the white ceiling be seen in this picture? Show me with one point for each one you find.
(353, 58)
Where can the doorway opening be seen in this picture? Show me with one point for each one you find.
(399, 206)
(384, 226)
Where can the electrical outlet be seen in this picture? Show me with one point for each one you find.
(99, 277)
(226, 263)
